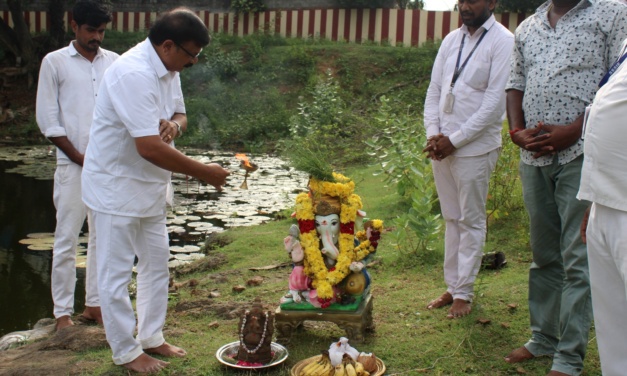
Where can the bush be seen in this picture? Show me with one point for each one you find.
(398, 149)
(247, 6)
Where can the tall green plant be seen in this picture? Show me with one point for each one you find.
(505, 192)
(325, 109)
(324, 123)
(398, 149)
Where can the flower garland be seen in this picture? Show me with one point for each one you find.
(263, 336)
(368, 245)
(324, 279)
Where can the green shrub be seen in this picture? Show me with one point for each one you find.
(398, 148)
(301, 64)
(505, 193)
(247, 6)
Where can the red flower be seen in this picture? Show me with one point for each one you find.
(347, 228)
(306, 225)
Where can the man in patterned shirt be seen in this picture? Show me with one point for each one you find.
(560, 55)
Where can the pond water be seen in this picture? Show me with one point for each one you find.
(27, 213)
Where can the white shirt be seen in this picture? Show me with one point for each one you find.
(136, 91)
(604, 171)
(66, 94)
(474, 126)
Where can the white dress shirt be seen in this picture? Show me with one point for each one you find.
(65, 100)
(604, 171)
(474, 126)
(136, 92)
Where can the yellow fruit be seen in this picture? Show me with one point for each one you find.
(339, 370)
(355, 283)
(359, 368)
(317, 370)
(327, 370)
(307, 369)
(350, 370)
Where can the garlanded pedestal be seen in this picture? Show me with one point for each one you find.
(354, 323)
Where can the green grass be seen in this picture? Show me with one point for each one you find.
(410, 339)
(251, 111)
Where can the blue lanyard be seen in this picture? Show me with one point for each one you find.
(458, 69)
(613, 69)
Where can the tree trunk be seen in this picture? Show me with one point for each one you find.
(56, 9)
(24, 43)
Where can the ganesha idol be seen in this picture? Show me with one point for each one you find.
(329, 257)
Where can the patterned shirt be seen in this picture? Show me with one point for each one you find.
(559, 69)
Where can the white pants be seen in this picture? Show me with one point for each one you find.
(607, 260)
(71, 212)
(120, 239)
(462, 185)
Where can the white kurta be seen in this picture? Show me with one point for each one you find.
(128, 197)
(604, 183)
(474, 128)
(66, 94)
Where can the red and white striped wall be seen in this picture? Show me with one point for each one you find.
(397, 27)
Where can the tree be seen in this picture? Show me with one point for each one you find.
(56, 10)
(411, 4)
(518, 6)
(18, 39)
(369, 4)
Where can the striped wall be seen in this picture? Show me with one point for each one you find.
(397, 27)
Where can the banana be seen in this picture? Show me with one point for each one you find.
(306, 371)
(339, 370)
(323, 369)
(350, 370)
(317, 370)
(359, 368)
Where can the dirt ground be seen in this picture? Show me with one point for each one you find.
(54, 355)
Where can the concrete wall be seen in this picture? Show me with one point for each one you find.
(396, 27)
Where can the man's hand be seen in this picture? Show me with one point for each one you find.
(215, 175)
(63, 143)
(167, 130)
(584, 225)
(432, 148)
(444, 147)
(526, 136)
(555, 138)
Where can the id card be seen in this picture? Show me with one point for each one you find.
(449, 101)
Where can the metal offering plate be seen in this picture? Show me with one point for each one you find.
(227, 355)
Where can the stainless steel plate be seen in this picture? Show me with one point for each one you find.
(227, 355)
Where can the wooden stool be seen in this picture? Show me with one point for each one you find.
(355, 323)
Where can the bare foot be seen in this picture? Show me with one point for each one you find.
(146, 364)
(93, 314)
(460, 308)
(519, 355)
(556, 373)
(442, 301)
(167, 350)
(63, 322)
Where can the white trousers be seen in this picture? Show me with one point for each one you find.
(462, 185)
(607, 260)
(71, 213)
(119, 240)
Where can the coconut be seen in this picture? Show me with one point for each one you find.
(369, 361)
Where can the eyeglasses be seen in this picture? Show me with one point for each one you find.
(187, 52)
